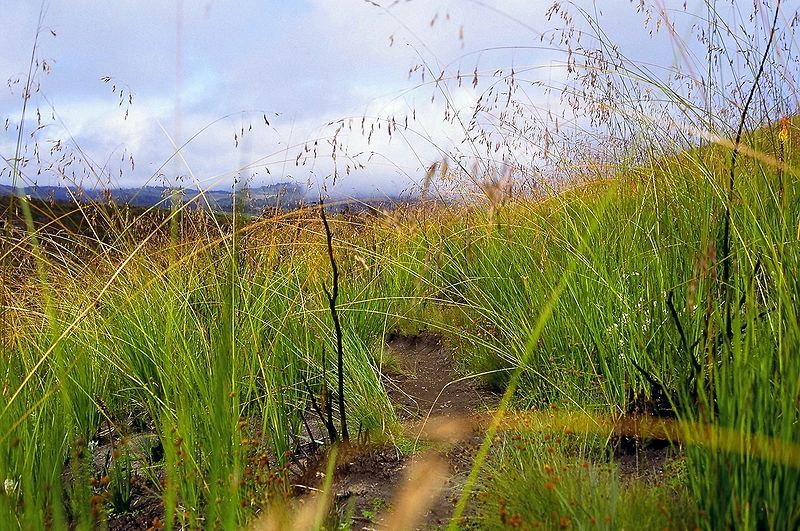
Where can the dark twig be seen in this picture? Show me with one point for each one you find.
(310, 433)
(326, 401)
(654, 383)
(332, 296)
(727, 254)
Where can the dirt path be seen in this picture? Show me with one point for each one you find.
(428, 382)
(428, 393)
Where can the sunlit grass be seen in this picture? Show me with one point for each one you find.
(208, 349)
(188, 358)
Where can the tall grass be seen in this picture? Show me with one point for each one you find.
(208, 352)
(182, 355)
(612, 335)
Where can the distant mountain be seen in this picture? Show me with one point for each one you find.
(286, 195)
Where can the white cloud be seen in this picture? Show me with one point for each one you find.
(312, 62)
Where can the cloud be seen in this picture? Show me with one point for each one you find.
(314, 65)
(311, 63)
(302, 64)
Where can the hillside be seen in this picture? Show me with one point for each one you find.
(285, 196)
(608, 358)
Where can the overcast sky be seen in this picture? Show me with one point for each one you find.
(213, 68)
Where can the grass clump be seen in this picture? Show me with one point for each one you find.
(566, 481)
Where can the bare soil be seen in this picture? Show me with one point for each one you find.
(428, 382)
(427, 391)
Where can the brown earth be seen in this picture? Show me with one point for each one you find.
(428, 383)
(436, 404)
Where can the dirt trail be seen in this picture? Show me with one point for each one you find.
(427, 390)
(428, 381)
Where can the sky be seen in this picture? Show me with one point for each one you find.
(251, 85)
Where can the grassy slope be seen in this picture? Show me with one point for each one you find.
(207, 343)
(651, 233)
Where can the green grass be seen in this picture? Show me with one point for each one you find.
(565, 481)
(208, 346)
(191, 348)
(184, 352)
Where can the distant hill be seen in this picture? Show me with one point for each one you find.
(369, 204)
(284, 196)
